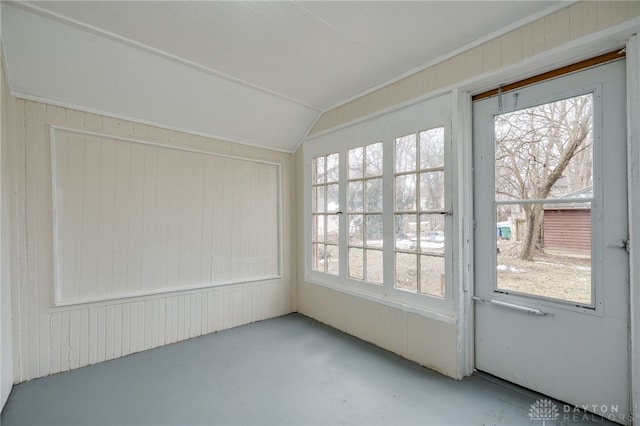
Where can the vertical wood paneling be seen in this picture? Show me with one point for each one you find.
(149, 210)
(74, 338)
(65, 341)
(93, 335)
(125, 211)
(89, 213)
(133, 219)
(106, 218)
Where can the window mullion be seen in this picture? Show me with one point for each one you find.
(388, 214)
(343, 189)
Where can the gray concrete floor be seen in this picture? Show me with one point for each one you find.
(286, 371)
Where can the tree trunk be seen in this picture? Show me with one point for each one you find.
(534, 216)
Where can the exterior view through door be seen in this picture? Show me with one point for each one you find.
(551, 229)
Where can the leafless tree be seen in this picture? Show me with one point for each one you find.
(537, 146)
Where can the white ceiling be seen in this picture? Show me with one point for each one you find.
(253, 72)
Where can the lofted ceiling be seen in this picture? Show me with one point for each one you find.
(254, 72)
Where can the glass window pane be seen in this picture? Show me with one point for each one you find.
(432, 191)
(333, 171)
(356, 266)
(406, 153)
(406, 193)
(432, 276)
(406, 231)
(356, 163)
(545, 151)
(432, 233)
(333, 204)
(373, 159)
(356, 230)
(432, 148)
(318, 228)
(318, 170)
(375, 266)
(407, 272)
(545, 250)
(317, 264)
(374, 230)
(355, 197)
(332, 259)
(333, 229)
(318, 204)
(373, 195)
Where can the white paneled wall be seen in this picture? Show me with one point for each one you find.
(126, 225)
(7, 132)
(90, 334)
(134, 218)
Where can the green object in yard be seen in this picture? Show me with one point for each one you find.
(505, 232)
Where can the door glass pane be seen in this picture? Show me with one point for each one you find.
(559, 266)
(545, 153)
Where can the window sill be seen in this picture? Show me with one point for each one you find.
(402, 306)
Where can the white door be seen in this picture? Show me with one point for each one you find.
(551, 266)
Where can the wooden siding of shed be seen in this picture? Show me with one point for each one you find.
(567, 232)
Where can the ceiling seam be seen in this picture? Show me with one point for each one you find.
(158, 52)
(97, 111)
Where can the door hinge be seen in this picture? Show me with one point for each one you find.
(623, 244)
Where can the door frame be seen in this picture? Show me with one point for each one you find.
(587, 47)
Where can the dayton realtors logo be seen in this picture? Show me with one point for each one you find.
(544, 409)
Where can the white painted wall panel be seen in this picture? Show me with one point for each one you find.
(133, 218)
(7, 182)
(138, 217)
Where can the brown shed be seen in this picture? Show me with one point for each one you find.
(567, 227)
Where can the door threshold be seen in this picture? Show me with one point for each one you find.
(577, 414)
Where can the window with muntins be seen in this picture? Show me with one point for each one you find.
(325, 216)
(364, 208)
(419, 212)
(379, 208)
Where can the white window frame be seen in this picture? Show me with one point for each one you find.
(385, 128)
